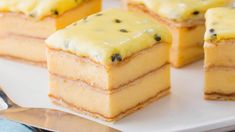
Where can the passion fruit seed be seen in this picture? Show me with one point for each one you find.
(116, 57)
(196, 12)
(99, 14)
(117, 20)
(55, 12)
(123, 30)
(212, 30)
(157, 37)
(213, 34)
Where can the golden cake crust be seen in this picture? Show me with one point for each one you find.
(220, 96)
(21, 60)
(59, 101)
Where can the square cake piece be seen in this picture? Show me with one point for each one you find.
(185, 20)
(109, 64)
(25, 24)
(220, 54)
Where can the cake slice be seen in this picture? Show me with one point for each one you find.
(109, 64)
(185, 20)
(24, 25)
(219, 54)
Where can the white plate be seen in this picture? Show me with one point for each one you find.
(184, 109)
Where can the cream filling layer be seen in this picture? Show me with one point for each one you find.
(78, 68)
(182, 56)
(220, 54)
(17, 23)
(110, 105)
(23, 47)
(220, 80)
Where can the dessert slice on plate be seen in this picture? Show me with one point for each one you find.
(109, 64)
(185, 20)
(220, 54)
(25, 24)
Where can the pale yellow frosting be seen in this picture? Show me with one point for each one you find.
(109, 36)
(181, 10)
(38, 8)
(220, 24)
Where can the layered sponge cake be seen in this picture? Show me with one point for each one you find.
(25, 24)
(109, 64)
(219, 54)
(185, 20)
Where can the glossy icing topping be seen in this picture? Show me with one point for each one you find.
(110, 36)
(181, 10)
(38, 8)
(220, 24)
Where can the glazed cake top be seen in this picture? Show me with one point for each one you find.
(220, 24)
(181, 10)
(38, 8)
(110, 36)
